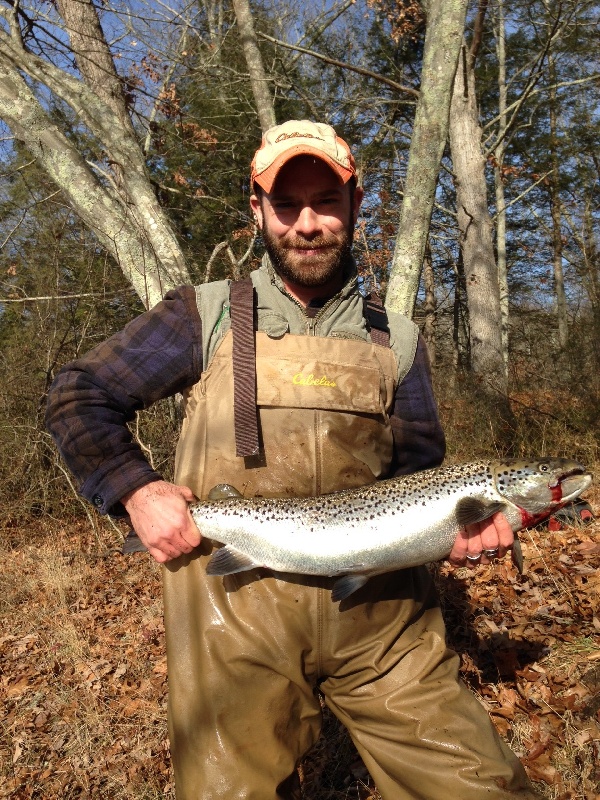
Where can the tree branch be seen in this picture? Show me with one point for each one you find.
(344, 65)
(478, 31)
(523, 194)
(258, 76)
(93, 57)
(57, 297)
(315, 33)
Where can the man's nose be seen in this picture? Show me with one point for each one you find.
(308, 223)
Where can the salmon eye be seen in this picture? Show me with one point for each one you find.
(543, 467)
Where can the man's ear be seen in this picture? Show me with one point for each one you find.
(357, 200)
(256, 207)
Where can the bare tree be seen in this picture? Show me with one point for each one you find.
(258, 75)
(445, 28)
(556, 213)
(476, 230)
(499, 151)
(113, 195)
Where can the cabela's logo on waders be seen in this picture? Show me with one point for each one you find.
(300, 379)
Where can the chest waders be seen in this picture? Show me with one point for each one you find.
(246, 653)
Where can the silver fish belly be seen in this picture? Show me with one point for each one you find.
(392, 524)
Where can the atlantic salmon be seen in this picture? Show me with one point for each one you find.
(388, 525)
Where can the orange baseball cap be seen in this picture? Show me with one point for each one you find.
(297, 138)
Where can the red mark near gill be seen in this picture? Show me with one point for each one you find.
(528, 520)
(531, 520)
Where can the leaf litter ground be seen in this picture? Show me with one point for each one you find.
(83, 685)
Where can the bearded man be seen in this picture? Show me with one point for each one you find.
(294, 385)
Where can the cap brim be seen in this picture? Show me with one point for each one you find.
(266, 179)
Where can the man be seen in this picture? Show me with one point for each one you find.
(342, 398)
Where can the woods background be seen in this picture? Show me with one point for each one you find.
(126, 134)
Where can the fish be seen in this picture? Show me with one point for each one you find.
(388, 525)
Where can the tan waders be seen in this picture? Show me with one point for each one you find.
(245, 656)
(247, 652)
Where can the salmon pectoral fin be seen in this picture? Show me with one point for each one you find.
(346, 585)
(473, 509)
(228, 560)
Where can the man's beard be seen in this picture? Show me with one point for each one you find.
(318, 270)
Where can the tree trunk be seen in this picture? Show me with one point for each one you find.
(591, 272)
(475, 227)
(93, 56)
(477, 246)
(445, 27)
(556, 213)
(258, 76)
(429, 307)
(499, 151)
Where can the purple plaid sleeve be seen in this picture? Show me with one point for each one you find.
(93, 398)
(419, 440)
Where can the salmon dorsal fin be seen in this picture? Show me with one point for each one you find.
(224, 491)
(474, 509)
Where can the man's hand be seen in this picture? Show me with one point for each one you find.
(476, 540)
(160, 516)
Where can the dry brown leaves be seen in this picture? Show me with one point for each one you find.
(83, 674)
(530, 649)
(83, 670)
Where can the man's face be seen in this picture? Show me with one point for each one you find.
(307, 222)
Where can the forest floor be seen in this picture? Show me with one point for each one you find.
(83, 683)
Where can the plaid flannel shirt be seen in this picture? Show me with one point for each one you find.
(157, 355)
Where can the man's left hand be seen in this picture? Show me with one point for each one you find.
(478, 543)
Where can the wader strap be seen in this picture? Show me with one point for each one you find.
(377, 320)
(245, 414)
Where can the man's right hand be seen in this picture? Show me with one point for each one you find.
(160, 516)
